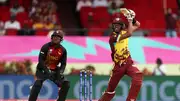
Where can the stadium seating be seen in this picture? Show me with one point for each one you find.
(84, 14)
(4, 8)
(11, 32)
(25, 3)
(22, 17)
(41, 32)
(149, 18)
(149, 12)
(100, 17)
(5, 15)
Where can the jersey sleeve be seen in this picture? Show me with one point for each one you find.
(42, 57)
(112, 40)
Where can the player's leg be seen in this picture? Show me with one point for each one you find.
(35, 90)
(63, 90)
(137, 78)
(63, 85)
(117, 73)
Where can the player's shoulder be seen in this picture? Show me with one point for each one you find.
(123, 32)
(46, 45)
(113, 36)
(63, 48)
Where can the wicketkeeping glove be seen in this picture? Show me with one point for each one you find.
(59, 79)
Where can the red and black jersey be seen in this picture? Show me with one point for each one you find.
(51, 56)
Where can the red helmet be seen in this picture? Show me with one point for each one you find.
(117, 20)
(120, 19)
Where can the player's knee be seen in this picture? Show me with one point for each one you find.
(139, 75)
(66, 84)
(110, 88)
(38, 83)
(110, 93)
(138, 78)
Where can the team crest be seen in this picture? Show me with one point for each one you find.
(59, 52)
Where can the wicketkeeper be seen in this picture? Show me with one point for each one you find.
(51, 65)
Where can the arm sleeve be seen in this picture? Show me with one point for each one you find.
(42, 57)
(112, 40)
(6, 25)
(63, 62)
(18, 26)
(134, 21)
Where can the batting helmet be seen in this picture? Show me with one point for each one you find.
(58, 33)
(120, 19)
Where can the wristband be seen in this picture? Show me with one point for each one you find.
(134, 21)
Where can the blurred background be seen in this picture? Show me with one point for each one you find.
(25, 25)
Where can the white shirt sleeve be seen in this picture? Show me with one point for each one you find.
(6, 25)
(94, 3)
(79, 5)
(88, 3)
(97, 3)
(18, 26)
(163, 68)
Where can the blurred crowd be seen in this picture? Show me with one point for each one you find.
(172, 22)
(25, 68)
(40, 15)
(172, 17)
(96, 15)
(75, 71)
(43, 14)
(16, 67)
(159, 69)
(112, 5)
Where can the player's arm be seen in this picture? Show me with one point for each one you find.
(136, 23)
(112, 40)
(42, 58)
(131, 28)
(63, 62)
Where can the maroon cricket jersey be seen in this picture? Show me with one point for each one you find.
(53, 57)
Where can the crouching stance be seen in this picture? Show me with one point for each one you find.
(51, 65)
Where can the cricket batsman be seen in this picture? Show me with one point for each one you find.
(51, 65)
(123, 27)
